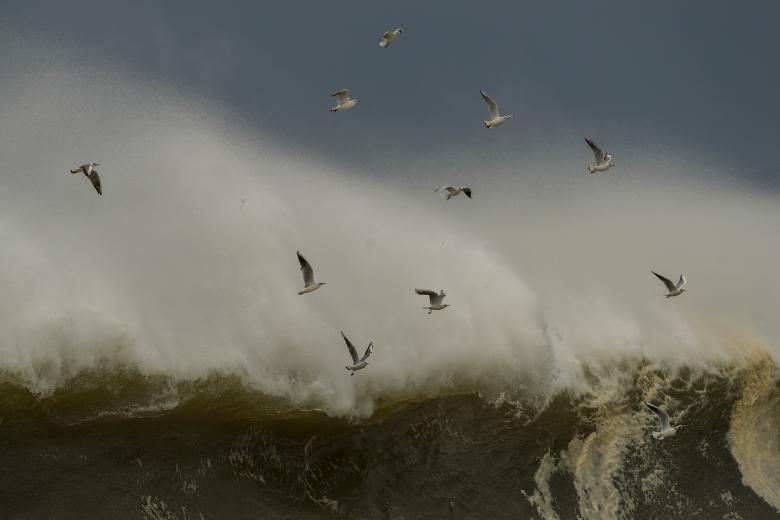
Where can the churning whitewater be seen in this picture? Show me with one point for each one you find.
(158, 361)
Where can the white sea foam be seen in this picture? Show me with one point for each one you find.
(753, 430)
(547, 272)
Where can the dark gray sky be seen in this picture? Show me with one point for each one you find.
(699, 77)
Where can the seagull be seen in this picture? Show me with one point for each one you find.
(357, 363)
(92, 174)
(389, 36)
(602, 159)
(663, 419)
(495, 118)
(451, 191)
(343, 101)
(308, 276)
(436, 299)
(674, 289)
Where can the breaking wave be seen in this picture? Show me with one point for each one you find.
(168, 308)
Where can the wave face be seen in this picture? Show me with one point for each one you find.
(125, 445)
(156, 360)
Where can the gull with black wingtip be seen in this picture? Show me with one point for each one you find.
(308, 276)
(358, 363)
(91, 174)
(675, 289)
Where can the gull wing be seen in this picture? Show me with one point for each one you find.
(467, 191)
(434, 297)
(94, 178)
(663, 418)
(351, 348)
(492, 106)
(597, 152)
(667, 282)
(430, 294)
(343, 95)
(448, 189)
(369, 350)
(681, 282)
(388, 34)
(308, 272)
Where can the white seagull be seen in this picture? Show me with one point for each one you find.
(675, 289)
(92, 174)
(435, 299)
(603, 160)
(357, 363)
(389, 36)
(495, 118)
(663, 420)
(452, 191)
(308, 276)
(343, 101)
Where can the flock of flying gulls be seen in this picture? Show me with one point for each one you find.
(603, 162)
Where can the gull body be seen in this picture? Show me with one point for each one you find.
(343, 101)
(309, 284)
(434, 298)
(91, 174)
(603, 160)
(495, 118)
(358, 363)
(665, 430)
(675, 289)
(453, 191)
(390, 36)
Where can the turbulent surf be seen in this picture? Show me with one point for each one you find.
(121, 444)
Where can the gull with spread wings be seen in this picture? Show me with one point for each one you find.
(435, 299)
(675, 289)
(495, 118)
(357, 363)
(663, 421)
(603, 160)
(308, 276)
(92, 174)
(343, 101)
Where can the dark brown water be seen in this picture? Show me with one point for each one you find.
(117, 444)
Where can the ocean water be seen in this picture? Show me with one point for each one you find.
(115, 443)
(156, 362)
